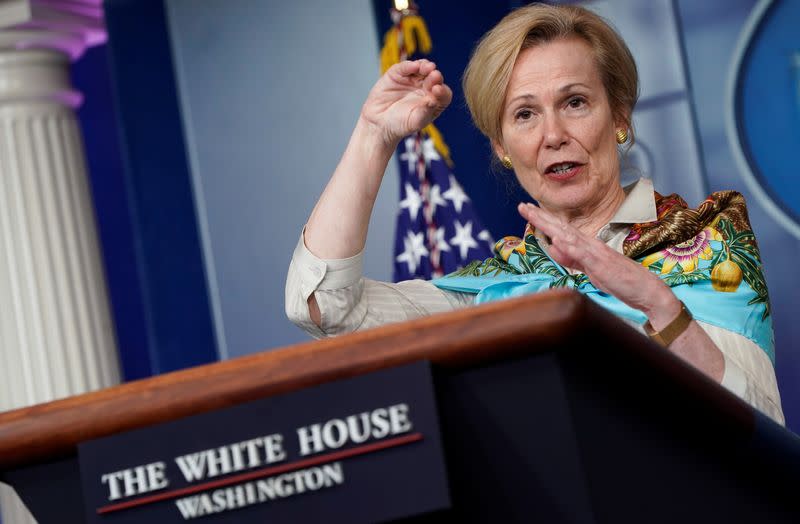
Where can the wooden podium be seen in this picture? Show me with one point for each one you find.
(551, 410)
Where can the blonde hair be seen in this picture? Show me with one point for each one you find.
(489, 70)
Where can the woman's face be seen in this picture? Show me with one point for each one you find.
(558, 129)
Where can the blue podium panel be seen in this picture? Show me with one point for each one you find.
(365, 449)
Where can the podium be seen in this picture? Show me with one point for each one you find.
(550, 410)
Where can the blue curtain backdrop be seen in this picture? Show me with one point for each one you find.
(142, 194)
(97, 117)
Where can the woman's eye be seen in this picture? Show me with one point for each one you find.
(524, 114)
(576, 103)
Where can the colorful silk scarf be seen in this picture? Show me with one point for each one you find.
(708, 256)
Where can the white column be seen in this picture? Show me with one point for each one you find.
(56, 333)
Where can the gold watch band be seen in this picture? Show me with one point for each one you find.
(673, 330)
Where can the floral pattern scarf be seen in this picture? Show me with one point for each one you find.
(707, 255)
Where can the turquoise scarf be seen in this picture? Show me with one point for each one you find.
(715, 269)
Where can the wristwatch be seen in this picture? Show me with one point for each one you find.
(671, 331)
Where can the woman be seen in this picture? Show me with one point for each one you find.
(553, 88)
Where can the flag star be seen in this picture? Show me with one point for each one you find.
(439, 246)
(412, 201)
(429, 151)
(463, 238)
(414, 244)
(486, 237)
(456, 194)
(435, 198)
(410, 154)
(439, 240)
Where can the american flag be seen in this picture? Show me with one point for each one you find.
(438, 230)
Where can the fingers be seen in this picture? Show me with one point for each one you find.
(406, 67)
(422, 73)
(409, 68)
(432, 79)
(540, 219)
(557, 233)
(426, 67)
(409, 96)
(608, 270)
(432, 82)
(568, 246)
(442, 95)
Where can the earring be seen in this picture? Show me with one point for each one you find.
(622, 136)
(506, 161)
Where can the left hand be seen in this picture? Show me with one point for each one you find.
(608, 270)
(630, 282)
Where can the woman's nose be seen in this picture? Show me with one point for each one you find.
(555, 133)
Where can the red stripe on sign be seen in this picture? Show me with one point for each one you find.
(265, 472)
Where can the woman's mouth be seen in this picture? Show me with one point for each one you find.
(563, 170)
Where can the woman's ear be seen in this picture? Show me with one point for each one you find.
(498, 149)
(623, 122)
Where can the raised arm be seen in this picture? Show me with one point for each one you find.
(404, 100)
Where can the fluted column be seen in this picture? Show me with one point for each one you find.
(56, 333)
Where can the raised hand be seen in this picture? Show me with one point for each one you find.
(630, 282)
(608, 270)
(409, 96)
